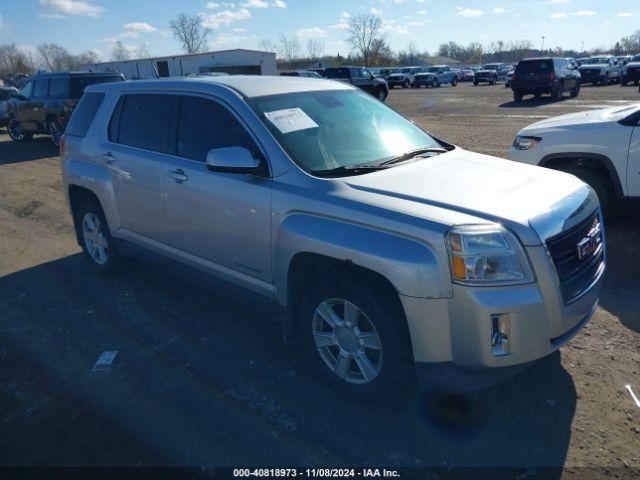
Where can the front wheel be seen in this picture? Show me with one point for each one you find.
(475, 84)
(55, 131)
(600, 185)
(405, 84)
(382, 95)
(558, 92)
(16, 132)
(493, 81)
(454, 82)
(356, 338)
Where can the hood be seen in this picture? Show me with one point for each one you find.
(486, 189)
(425, 74)
(612, 114)
(397, 75)
(633, 64)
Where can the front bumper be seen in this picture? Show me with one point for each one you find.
(452, 337)
(396, 82)
(592, 77)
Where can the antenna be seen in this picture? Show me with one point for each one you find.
(153, 65)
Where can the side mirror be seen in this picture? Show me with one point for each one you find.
(234, 160)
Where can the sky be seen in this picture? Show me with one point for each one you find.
(143, 25)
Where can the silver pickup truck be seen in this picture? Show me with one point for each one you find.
(390, 252)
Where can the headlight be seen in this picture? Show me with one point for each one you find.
(523, 142)
(484, 255)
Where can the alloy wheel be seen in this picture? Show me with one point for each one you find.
(347, 341)
(55, 133)
(94, 240)
(15, 130)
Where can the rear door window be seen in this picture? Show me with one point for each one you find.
(59, 87)
(84, 113)
(204, 124)
(147, 121)
(41, 88)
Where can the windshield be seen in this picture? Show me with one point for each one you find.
(331, 129)
(636, 58)
(336, 73)
(596, 60)
(432, 69)
(491, 66)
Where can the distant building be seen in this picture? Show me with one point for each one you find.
(441, 61)
(238, 61)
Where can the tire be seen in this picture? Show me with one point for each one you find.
(406, 84)
(390, 87)
(15, 131)
(576, 90)
(601, 186)
(517, 95)
(624, 81)
(454, 82)
(493, 81)
(55, 131)
(475, 84)
(338, 356)
(437, 84)
(558, 92)
(537, 95)
(381, 95)
(92, 230)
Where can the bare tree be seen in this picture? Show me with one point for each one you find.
(119, 52)
(365, 30)
(190, 32)
(315, 49)
(14, 60)
(269, 46)
(289, 47)
(56, 58)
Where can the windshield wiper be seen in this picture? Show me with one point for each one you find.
(347, 170)
(413, 153)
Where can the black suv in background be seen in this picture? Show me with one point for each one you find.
(536, 76)
(361, 78)
(46, 102)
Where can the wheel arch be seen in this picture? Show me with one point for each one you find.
(594, 161)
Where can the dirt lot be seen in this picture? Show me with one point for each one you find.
(202, 377)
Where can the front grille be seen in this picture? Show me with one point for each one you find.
(578, 255)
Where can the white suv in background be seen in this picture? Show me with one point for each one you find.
(601, 147)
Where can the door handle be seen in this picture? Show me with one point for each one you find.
(108, 157)
(178, 175)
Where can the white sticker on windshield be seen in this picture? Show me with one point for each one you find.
(290, 120)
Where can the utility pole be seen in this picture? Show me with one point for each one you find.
(582, 47)
(542, 45)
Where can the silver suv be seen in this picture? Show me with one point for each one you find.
(391, 252)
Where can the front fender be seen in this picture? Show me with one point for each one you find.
(412, 267)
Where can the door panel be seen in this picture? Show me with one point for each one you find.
(138, 156)
(633, 164)
(222, 218)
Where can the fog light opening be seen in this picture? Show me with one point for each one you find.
(500, 334)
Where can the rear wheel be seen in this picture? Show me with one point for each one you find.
(475, 84)
(97, 244)
(355, 338)
(405, 84)
(576, 90)
(16, 132)
(493, 81)
(454, 82)
(517, 95)
(437, 83)
(558, 92)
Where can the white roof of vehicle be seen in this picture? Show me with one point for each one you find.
(246, 85)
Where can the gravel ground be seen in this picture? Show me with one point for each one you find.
(202, 378)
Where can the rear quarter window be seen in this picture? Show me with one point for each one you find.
(84, 114)
(533, 66)
(78, 84)
(41, 88)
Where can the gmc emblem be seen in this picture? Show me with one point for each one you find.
(589, 244)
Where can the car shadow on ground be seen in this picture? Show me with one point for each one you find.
(202, 378)
(532, 102)
(18, 152)
(622, 230)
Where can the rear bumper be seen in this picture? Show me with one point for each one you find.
(542, 87)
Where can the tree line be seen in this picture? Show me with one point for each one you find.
(366, 37)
